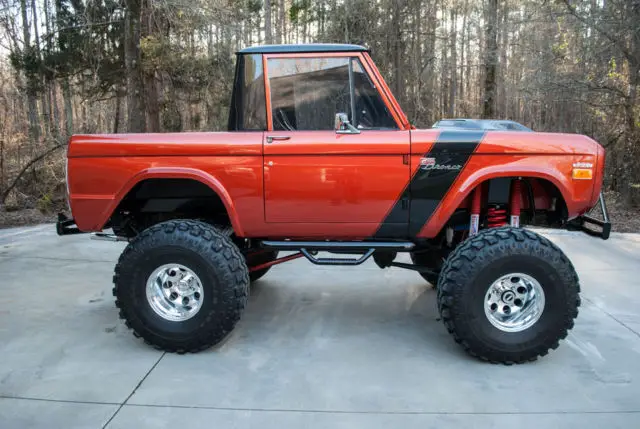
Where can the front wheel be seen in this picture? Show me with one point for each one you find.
(508, 295)
(181, 285)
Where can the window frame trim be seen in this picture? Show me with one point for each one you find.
(386, 96)
(237, 96)
(381, 85)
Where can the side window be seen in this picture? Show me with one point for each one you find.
(248, 111)
(306, 93)
(370, 110)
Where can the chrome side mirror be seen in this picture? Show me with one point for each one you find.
(343, 126)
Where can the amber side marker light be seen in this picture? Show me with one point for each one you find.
(582, 173)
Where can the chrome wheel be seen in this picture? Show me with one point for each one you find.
(174, 292)
(514, 302)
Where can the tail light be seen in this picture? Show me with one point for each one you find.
(66, 179)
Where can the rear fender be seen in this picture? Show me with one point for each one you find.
(177, 173)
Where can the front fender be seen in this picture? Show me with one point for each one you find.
(557, 170)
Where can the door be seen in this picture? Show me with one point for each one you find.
(314, 174)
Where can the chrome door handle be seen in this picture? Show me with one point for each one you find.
(270, 139)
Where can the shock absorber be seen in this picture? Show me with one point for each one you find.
(515, 203)
(474, 222)
(496, 216)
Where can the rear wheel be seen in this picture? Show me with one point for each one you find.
(508, 295)
(181, 285)
(252, 256)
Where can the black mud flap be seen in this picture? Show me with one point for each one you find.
(592, 226)
(66, 226)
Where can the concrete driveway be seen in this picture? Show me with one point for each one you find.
(317, 348)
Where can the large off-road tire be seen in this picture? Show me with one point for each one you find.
(258, 259)
(252, 256)
(181, 285)
(429, 259)
(508, 295)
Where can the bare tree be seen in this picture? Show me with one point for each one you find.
(135, 92)
(32, 101)
(143, 65)
(453, 66)
(491, 60)
(267, 21)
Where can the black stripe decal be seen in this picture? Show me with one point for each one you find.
(429, 185)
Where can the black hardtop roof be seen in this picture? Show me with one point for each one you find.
(302, 48)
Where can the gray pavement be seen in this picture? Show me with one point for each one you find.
(317, 348)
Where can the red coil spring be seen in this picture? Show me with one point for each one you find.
(496, 217)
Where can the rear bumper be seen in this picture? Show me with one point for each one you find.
(66, 226)
(586, 223)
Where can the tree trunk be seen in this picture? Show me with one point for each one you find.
(32, 101)
(150, 82)
(116, 116)
(68, 106)
(396, 28)
(478, 92)
(631, 152)
(45, 96)
(66, 93)
(51, 83)
(283, 24)
(453, 65)
(444, 89)
(246, 25)
(491, 61)
(465, 13)
(267, 22)
(278, 27)
(504, 31)
(53, 90)
(1, 162)
(430, 54)
(258, 30)
(631, 102)
(152, 103)
(416, 62)
(135, 98)
(322, 17)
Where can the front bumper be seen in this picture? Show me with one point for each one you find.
(66, 226)
(586, 223)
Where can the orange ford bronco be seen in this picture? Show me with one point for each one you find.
(319, 158)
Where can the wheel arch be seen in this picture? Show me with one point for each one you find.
(560, 185)
(160, 174)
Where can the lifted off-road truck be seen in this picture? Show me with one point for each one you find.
(320, 158)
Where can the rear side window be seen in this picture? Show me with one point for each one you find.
(248, 108)
(306, 94)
